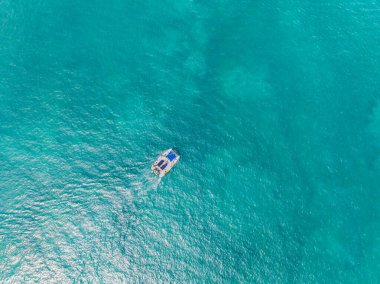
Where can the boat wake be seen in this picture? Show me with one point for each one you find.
(151, 181)
(147, 181)
(155, 183)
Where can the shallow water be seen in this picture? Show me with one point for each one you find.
(273, 105)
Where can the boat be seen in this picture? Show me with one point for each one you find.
(165, 162)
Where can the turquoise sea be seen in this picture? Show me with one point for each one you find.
(274, 107)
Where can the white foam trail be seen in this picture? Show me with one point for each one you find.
(151, 180)
(156, 183)
(146, 181)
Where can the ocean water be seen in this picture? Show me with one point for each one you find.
(273, 105)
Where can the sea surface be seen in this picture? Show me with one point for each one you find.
(274, 107)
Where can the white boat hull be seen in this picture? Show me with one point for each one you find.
(165, 162)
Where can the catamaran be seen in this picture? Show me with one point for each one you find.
(165, 162)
